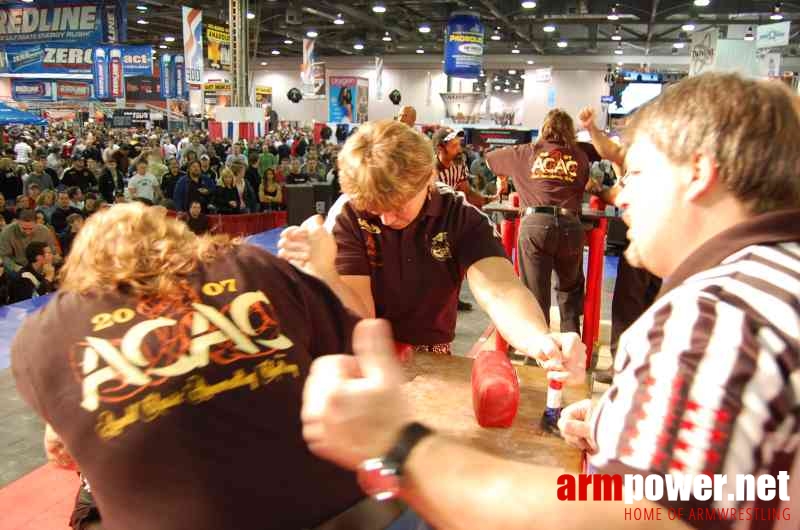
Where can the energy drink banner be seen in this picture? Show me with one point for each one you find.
(45, 90)
(193, 44)
(46, 60)
(59, 21)
(218, 47)
(181, 86)
(349, 99)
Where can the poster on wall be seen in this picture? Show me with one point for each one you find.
(348, 96)
(60, 21)
(218, 47)
(264, 96)
(193, 44)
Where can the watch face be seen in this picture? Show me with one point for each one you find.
(378, 478)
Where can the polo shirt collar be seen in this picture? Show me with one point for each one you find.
(434, 203)
(773, 227)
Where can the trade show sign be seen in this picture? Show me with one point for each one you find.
(64, 59)
(59, 21)
(218, 46)
(463, 46)
(44, 90)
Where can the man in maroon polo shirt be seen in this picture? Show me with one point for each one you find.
(402, 244)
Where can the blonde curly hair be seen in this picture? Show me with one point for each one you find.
(138, 250)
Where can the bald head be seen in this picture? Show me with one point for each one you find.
(408, 115)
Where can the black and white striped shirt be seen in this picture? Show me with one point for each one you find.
(707, 381)
(454, 174)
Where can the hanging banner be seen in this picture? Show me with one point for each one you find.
(193, 44)
(463, 45)
(773, 35)
(703, 51)
(181, 87)
(264, 96)
(167, 76)
(59, 21)
(312, 72)
(55, 60)
(218, 47)
(379, 78)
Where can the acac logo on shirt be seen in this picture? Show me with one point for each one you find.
(555, 165)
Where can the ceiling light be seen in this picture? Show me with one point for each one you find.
(497, 87)
(679, 45)
(378, 7)
(620, 63)
(420, 50)
(386, 37)
(312, 33)
(688, 26)
(702, 3)
(263, 63)
(508, 82)
(424, 28)
(528, 5)
(562, 44)
(162, 46)
(618, 50)
(530, 61)
(288, 41)
(776, 12)
(512, 72)
(275, 52)
(549, 27)
(495, 35)
(338, 20)
(140, 7)
(749, 35)
(616, 36)
(358, 46)
(169, 38)
(142, 21)
(250, 16)
(515, 50)
(505, 90)
(613, 15)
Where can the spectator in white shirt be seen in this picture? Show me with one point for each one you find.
(23, 152)
(143, 185)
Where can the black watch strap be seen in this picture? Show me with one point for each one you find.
(408, 439)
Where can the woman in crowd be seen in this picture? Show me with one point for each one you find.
(226, 196)
(46, 203)
(269, 193)
(247, 195)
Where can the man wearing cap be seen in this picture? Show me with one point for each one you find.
(402, 244)
(78, 175)
(451, 168)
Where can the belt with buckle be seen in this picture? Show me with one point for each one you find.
(552, 210)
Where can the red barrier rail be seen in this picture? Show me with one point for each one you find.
(245, 224)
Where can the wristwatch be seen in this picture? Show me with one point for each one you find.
(380, 477)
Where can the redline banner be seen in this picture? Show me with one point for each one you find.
(60, 21)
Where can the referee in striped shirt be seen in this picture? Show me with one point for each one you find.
(707, 380)
(451, 168)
